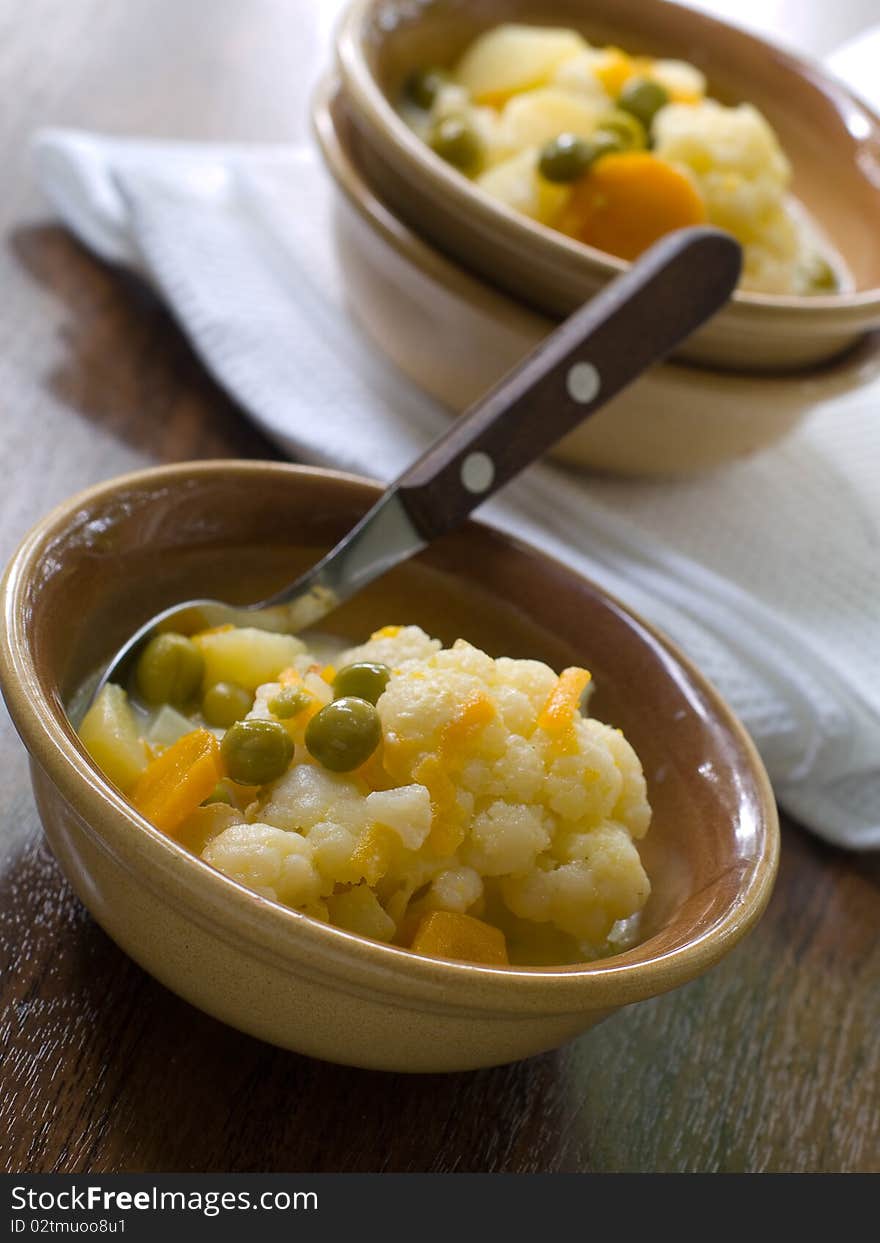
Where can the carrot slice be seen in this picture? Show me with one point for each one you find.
(176, 782)
(563, 702)
(374, 854)
(473, 714)
(613, 69)
(448, 934)
(447, 831)
(627, 202)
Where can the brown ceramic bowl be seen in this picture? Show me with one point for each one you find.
(831, 138)
(100, 564)
(421, 309)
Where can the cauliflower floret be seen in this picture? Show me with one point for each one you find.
(708, 137)
(419, 704)
(463, 657)
(307, 794)
(531, 678)
(332, 847)
(507, 838)
(590, 770)
(263, 697)
(743, 175)
(588, 895)
(394, 646)
(519, 774)
(455, 889)
(275, 863)
(631, 806)
(406, 810)
(515, 709)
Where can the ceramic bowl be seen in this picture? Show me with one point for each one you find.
(831, 138)
(100, 564)
(423, 310)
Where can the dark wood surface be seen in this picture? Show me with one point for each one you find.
(771, 1062)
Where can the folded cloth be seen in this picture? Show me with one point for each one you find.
(765, 573)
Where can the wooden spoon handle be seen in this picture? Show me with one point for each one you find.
(632, 323)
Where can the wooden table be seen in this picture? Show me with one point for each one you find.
(769, 1063)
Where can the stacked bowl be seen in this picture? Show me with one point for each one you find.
(455, 287)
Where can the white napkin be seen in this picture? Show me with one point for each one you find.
(765, 573)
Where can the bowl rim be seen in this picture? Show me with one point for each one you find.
(371, 102)
(287, 938)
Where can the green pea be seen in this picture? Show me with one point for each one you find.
(624, 128)
(344, 734)
(169, 669)
(224, 703)
(423, 86)
(290, 701)
(456, 141)
(366, 679)
(643, 99)
(255, 752)
(565, 158)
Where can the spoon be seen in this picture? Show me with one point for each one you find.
(632, 323)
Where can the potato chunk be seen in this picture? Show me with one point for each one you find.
(514, 58)
(246, 655)
(358, 910)
(533, 118)
(110, 735)
(517, 184)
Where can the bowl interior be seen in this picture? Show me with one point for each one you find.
(832, 140)
(226, 530)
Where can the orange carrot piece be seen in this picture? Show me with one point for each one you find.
(558, 712)
(473, 714)
(373, 854)
(372, 773)
(614, 70)
(447, 827)
(173, 785)
(627, 202)
(448, 934)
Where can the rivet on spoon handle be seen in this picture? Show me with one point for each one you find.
(633, 323)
